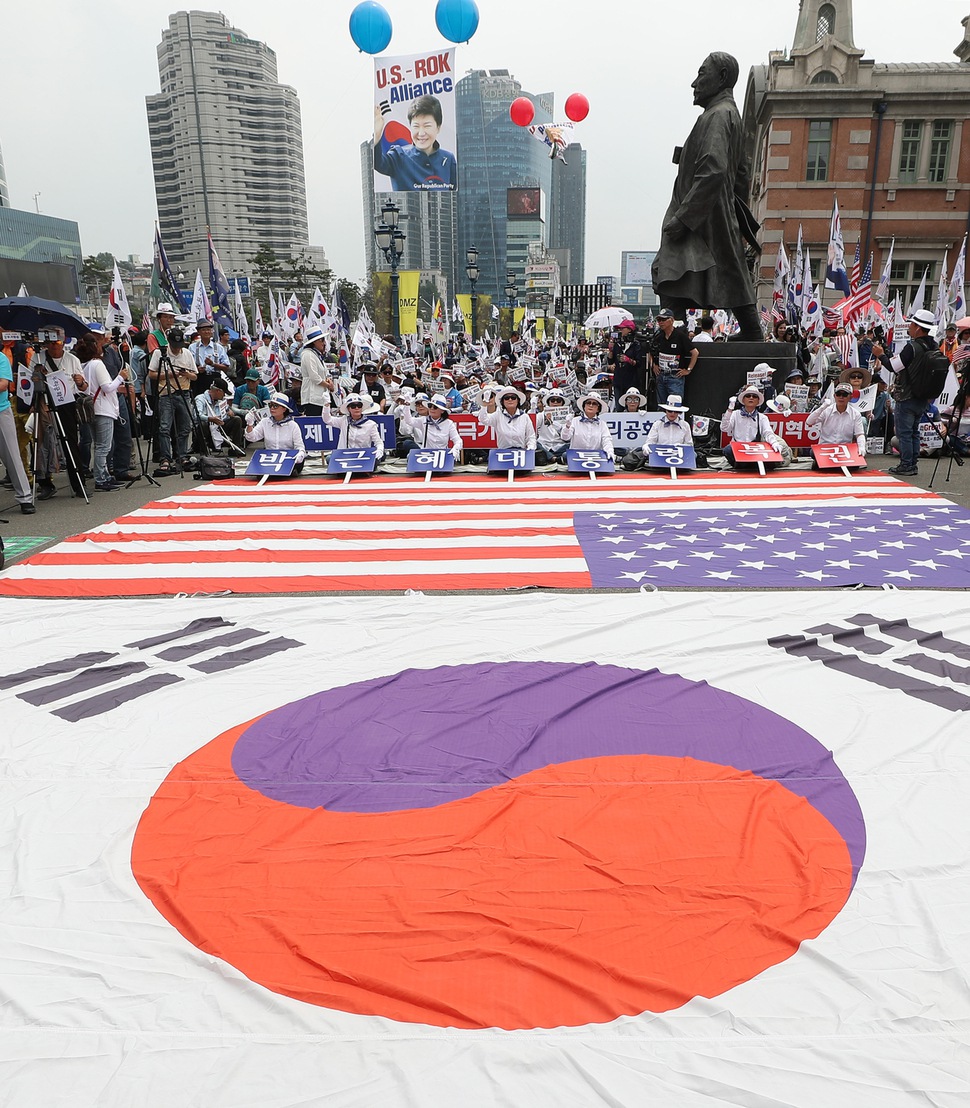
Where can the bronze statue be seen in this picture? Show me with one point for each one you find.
(701, 261)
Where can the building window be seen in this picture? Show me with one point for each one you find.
(819, 144)
(826, 22)
(940, 145)
(905, 278)
(825, 77)
(909, 151)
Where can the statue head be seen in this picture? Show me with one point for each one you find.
(718, 71)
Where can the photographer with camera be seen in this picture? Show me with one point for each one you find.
(173, 369)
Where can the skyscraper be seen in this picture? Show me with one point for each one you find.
(568, 212)
(227, 146)
(4, 194)
(494, 155)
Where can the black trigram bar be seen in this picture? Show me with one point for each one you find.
(81, 682)
(852, 637)
(54, 669)
(193, 628)
(186, 650)
(242, 657)
(900, 629)
(801, 647)
(114, 698)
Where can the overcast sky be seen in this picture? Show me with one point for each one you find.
(75, 75)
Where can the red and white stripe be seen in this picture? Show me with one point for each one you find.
(389, 534)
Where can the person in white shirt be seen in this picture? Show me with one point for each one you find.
(279, 430)
(838, 421)
(210, 357)
(434, 431)
(588, 431)
(316, 384)
(632, 401)
(747, 424)
(357, 432)
(672, 430)
(214, 411)
(549, 421)
(510, 424)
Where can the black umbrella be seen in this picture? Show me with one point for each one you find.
(31, 313)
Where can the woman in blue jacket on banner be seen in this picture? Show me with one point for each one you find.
(420, 164)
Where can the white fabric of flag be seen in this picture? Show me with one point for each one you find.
(882, 289)
(118, 313)
(957, 294)
(919, 300)
(942, 297)
(201, 309)
(242, 323)
(103, 992)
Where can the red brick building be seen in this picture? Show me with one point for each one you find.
(891, 140)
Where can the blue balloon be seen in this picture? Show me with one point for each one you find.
(457, 20)
(370, 27)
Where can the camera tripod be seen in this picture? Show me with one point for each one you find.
(52, 418)
(947, 449)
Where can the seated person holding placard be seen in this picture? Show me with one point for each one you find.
(672, 430)
(838, 421)
(357, 432)
(588, 431)
(632, 401)
(434, 431)
(747, 424)
(550, 420)
(279, 430)
(512, 427)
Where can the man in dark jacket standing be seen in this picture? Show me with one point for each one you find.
(908, 408)
(627, 360)
(701, 261)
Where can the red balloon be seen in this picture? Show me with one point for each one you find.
(577, 107)
(522, 111)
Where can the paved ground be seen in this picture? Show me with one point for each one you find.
(62, 515)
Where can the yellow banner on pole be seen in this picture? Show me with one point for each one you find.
(465, 303)
(407, 298)
(518, 314)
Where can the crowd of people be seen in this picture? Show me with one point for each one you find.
(160, 398)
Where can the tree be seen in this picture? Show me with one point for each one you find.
(267, 271)
(353, 296)
(96, 273)
(302, 276)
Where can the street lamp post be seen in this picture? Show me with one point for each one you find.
(472, 273)
(511, 291)
(390, 241)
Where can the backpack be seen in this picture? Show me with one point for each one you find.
(927, 373)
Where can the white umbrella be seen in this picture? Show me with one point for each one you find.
(607, 317)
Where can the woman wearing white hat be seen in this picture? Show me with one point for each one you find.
(511, 424)
(357, 432)
(588, 431)
(632, 400)
(747, 424)
(549, 422)
(316, 385)
(672, 430)
(434, 431)
(279, 430)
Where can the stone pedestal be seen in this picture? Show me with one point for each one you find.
(722, 368)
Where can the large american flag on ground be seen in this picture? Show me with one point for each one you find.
(725, 530)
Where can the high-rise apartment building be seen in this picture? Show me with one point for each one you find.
(4, 194)
(227, 146)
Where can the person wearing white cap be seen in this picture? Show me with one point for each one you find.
(357, 432)
(549, 422)
(511, 425)
(909, 408)
(588, 431)
(747, 424)
(434, 431)
(838, 421)
(165, 314)
(672, 430)
(265, 357)
(279, 430)
(316, 385)
(632, 401)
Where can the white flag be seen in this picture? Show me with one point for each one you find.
(118, 313)
(957, 293)
(942, 298)
(882, 289)
(201, 308)
(919, 300)
(242, 323)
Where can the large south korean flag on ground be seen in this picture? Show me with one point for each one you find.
(692, 849)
